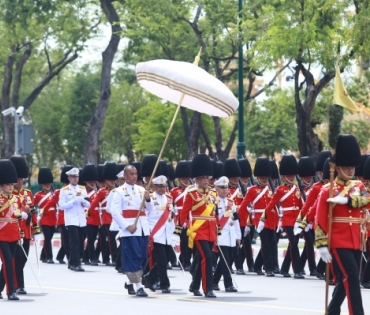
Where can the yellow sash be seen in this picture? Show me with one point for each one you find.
(8, 203)
(197, 224)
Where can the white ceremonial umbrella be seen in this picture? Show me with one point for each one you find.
(186, 85)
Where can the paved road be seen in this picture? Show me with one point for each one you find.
(100, 290)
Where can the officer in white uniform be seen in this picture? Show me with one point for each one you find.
(230, 234)
(74, 201)
(161, 224)
(125, 206)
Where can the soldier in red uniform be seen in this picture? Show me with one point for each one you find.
(183, 174)
(200, 209)
(255, 201)
(10, 214)
(347, 239)
(306, 172)
(289, 197)
(28, 223)
(89, 177)
(47, 215)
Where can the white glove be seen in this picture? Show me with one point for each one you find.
(184, 226)
(249, 209)
(24, 215)
(38, 218)
(297, 230)
(175, 240)
(37, 238)
(308, 227)
(325, 255)
(338, 199)
(280, 226)
(247, 229)
(260, 227)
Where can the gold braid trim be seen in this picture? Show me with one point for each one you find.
(358, 201)
(178, 230)
(299, 218)
(303, 224)
(320, 237)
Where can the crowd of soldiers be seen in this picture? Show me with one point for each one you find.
(206, 211)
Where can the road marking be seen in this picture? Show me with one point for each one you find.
(191, 299)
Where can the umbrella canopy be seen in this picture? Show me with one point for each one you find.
(202, 92)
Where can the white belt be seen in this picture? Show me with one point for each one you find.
(178, 208)
(103, 208)
(96, 208)
(259, 210)
(51, 209)
(289, 208)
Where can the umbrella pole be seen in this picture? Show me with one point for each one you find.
(161, 153)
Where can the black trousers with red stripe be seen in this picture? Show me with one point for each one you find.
(91, 233)
(268, 245)
(308, 250)
(346, 268)
(47, 252)
(64, 248)
(161, 254)
(7, 252)
(203, 268)
(222, 267)
(292, 253)
(20, 260)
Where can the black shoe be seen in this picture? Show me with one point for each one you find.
(79, 268)
(197, 293)
(303, 273)
(231, 289)
(250, 269)
(157, 286)
(141, 293)
(99, 262)
(119, 270)
(21, 291)
(276, 271)
(1, 296)
(50, 261)
(331, 282)
(169, 266)
(147, 283)
(166, 290)
(232, 271)
(13, 297)
(210, 294)
(43, 260)
(285, 274)
(313, 273)
(260, 273)
(175, 265)
(320, 276)
(298, 276)
(130, 289)
(366, 285)
(94, 263)
(109, 264)
(240, 272)
(86, 262)
(61, 261)
(187, 268)
(216, 287)
(270, 274)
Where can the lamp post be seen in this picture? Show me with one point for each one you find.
(16, 113)
(241, 144)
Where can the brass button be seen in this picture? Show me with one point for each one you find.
(350, 223)
(350, 216)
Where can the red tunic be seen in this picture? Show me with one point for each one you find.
(26, 200)
(100, 201)
(54, 201)
(344, 234)
(94, 216)
(9, 227)
(290, 206)
(196, 202)
(49, 217)
(178, 195)
(236, 195)
(311, 197)
(259, 207)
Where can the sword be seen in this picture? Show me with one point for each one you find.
(42, 291)
(178, 260)
(37, 258)
(227, 265)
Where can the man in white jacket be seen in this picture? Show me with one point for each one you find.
(162, 226)
(125, 207)
(230, 234)
(73, 200)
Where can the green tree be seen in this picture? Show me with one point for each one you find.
(360, 129)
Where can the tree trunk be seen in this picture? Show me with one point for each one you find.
(97, 121)
(194, 135)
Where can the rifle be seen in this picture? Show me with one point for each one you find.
(301, 189)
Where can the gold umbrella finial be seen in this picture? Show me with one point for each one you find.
(197, 58)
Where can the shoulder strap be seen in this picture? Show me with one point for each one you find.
(260, 195)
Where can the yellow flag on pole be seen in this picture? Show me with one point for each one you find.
(341, 96)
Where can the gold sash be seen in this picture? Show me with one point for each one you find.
(8, 203)
(197, 224)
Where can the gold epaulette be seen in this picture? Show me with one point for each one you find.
(66, 188)
(26, 189)
(81, 186)
(191, 188)
(168, 195)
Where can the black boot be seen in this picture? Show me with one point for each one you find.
(13, 297)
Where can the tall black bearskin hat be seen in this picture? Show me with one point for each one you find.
(147, 166)
(63, 175)
(366, 173)
(359, 171)
(100, 169)
(288, 165)
(201, 166)
(306, 167)
(274, 170)
(89, 173)
(170, 171)
(110, 171)
(20, 165)
(8, 173)
(137, 165)
(220, 169)
(163, 168)
(80, 177)
(183, 169)
(45, 176)
(262, 168)
(232, 168)
(326, 170)
(347, 151)
(120, 167)
(321, 158)
(245, 167)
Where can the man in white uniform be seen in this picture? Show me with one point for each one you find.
(125, 207)
(73, 200)
(230, 234)
(161, 225)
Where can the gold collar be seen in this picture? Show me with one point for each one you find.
(203, 190)
(342, 182)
